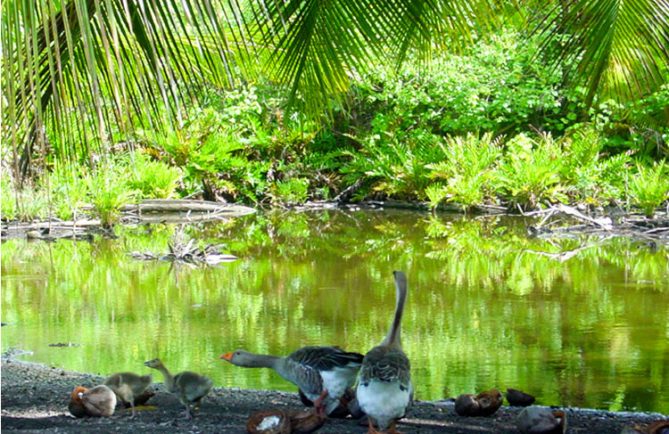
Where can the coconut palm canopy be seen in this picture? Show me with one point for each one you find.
(85, 70)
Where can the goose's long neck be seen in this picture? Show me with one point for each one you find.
(264, 361)
(393, 337)
(169, 379)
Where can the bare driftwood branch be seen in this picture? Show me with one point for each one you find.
(175, 205)
(603, 222)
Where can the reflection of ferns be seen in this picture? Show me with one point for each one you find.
(322, 277)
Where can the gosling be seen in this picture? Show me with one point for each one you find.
(128, 387)
(188, 386)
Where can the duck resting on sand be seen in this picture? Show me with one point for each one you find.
(384, 388)
(322, 373)
(128, 386)
(97, 401)
(188, 386)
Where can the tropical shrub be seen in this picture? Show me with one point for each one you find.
(468, 168)
(68, 193)
(436, 193)
(649, 188)
(7, 197)
(108, 192)
(149, 178)
(291, 191)
(530, 171)
(496, 87)
(392, 168)
(590, 174)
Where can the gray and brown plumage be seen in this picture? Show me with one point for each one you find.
(384, 386)
(541, 420)
(323, 373)
(128, 387)
(188, 386)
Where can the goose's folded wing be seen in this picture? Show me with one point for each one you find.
(387, 365)
(326, 358)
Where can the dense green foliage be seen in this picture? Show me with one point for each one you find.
(81, 70)
(491, 126)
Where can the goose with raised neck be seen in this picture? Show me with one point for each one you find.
(384, 389)
(323, 373)
(188, 386)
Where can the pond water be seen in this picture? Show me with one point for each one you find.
(485, 308)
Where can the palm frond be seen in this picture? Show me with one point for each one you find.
(614, 48)
(319, 45)
(82, 70)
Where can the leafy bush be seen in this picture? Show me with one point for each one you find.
(69, 193)
(393, 168)
(7, 198)
(291, 191)
(649, 188)
(497, 87)
(467, 168)
(436, 193)
(530, 172)
(108, 191)
(150, 178)
(586, 175)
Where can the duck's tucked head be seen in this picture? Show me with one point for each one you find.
(77, 392)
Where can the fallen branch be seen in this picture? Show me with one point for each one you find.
(178, 205)
(603, 222)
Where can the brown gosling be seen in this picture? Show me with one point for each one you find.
(188, 386)
(484, 404)
(519, 398)
(128, 386)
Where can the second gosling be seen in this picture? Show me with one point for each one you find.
(128, 386)
(188, 386)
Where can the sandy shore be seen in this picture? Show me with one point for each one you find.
(35, 398)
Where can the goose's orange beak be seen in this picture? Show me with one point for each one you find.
(226, 356)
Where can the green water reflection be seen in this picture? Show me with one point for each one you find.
(484, 308)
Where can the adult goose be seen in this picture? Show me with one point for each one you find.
(384, 387)
(322, 373)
